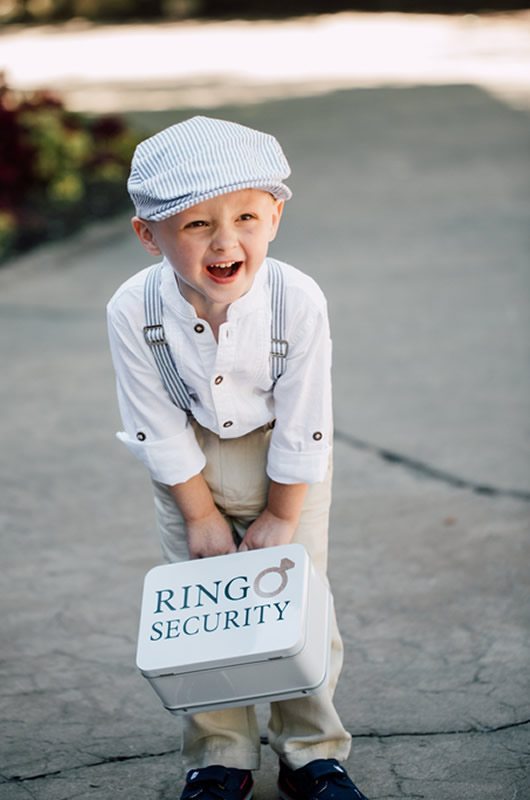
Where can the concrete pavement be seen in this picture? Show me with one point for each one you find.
(411, 209)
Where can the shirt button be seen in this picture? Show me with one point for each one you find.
(317, 436)
(228, 423)
(199, 328)
(218, 380)
(141, 436)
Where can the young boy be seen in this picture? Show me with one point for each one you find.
(222, 357)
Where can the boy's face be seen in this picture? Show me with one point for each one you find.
(217, 246)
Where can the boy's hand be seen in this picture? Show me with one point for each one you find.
(278, 522)
(267, 530)
(210, 536)
(208, 532)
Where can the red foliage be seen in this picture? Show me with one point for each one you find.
(57, 168)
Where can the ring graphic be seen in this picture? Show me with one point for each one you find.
(285, 564)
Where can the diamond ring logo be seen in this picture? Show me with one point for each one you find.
(281, 572)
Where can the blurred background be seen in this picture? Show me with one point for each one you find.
(124, 10)
(83, 80)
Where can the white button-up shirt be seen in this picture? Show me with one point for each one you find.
(229, 380)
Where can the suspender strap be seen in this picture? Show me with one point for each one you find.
(279, 345)
(155, 337)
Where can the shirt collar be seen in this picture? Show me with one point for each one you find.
(171, 296)
(253, 299)
(173, 299)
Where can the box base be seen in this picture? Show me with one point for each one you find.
(217, 688)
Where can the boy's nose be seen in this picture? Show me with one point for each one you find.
(224, 239)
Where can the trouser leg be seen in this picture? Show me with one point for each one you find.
(309, 727)
(229, 736)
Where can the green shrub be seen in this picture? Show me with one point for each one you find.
(58, 169)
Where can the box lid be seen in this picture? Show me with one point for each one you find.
(213, 612)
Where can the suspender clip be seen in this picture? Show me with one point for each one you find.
(154, 335)
(279, 348)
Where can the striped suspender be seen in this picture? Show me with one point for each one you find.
(155, 337)
(279, 345)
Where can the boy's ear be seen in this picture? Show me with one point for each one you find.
(145, 235)
(276, 217)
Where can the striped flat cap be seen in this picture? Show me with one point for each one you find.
(203, 158)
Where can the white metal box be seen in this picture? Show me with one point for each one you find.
(234, 630)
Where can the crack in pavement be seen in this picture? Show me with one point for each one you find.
(427, 470)
(264, 740)
(455, 732)
(99, 763)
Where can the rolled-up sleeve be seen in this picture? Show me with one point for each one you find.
(301, 441)
(155, 431)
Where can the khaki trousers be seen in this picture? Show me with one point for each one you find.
(299, 730)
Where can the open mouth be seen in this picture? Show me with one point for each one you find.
(227, 270)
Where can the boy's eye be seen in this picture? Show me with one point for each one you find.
(196, 223)
(246, 217)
